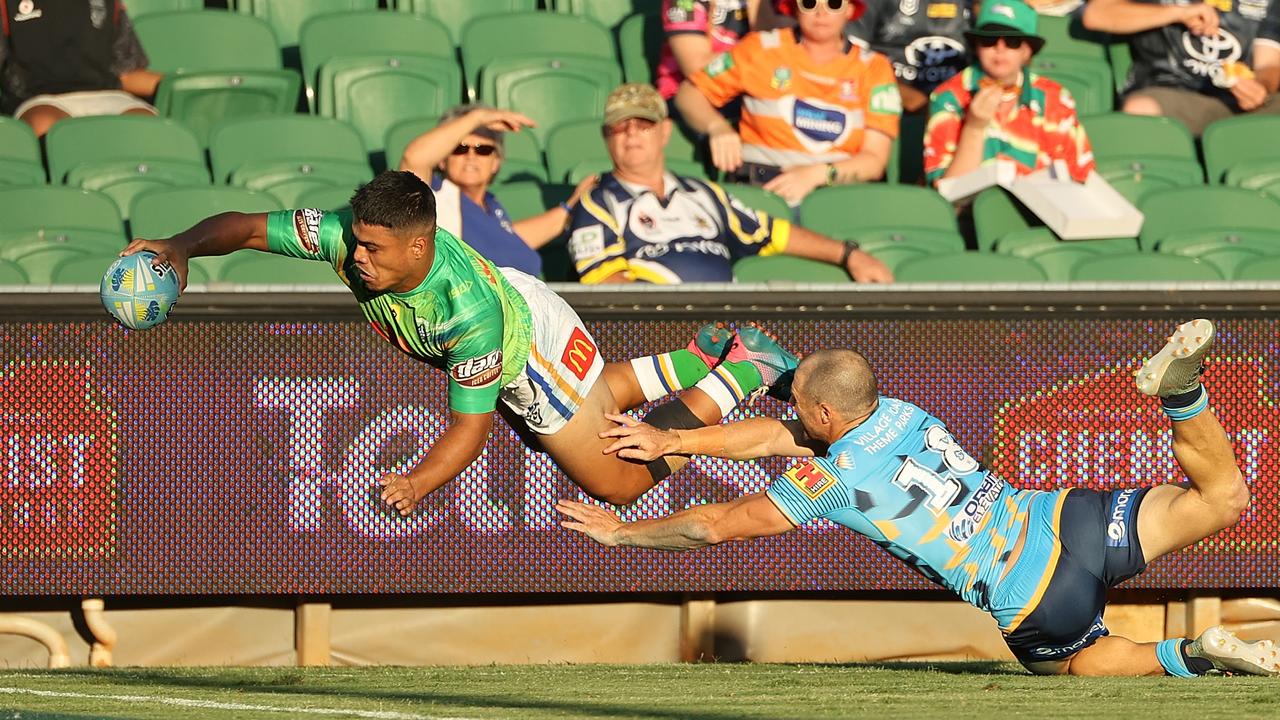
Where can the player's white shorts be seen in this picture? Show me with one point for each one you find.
(564, 360)
(82, 104)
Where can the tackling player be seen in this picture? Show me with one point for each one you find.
(497, 333)
(1039, 562)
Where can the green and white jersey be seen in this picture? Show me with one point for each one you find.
(465, 318)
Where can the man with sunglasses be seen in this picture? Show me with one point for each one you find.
(817, 109)
(1196, 62)
(642, 223)
(460, 158)
(997, 109)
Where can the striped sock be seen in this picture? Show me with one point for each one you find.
(1187, 405)
(729, 384)
(668, 373)
(1173, 657)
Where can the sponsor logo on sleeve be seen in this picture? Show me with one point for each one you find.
(886, 100)
(812, 479)
(478, 372)
(720, 64)
(1118, 521)
(306, 225)
(579, 353)
(586, 242)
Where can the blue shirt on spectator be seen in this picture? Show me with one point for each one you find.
(487, 230)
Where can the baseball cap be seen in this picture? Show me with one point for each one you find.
(634, 100)
(1007, 18)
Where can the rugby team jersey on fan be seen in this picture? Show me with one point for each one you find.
(692, 235)
(1040, 129)
(1173, 57)
(464, 318)
(722, 22)
(923, 38)
(796, 112)
(901, 479)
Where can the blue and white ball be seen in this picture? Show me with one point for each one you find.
(138, 294)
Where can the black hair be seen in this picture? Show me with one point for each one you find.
(395, 199)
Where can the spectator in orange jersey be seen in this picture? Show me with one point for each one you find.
(999, 110)
(817, 110)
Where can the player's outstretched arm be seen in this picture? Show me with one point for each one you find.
(750, 516)
(460, 445)
(743, 440)
(216, 235)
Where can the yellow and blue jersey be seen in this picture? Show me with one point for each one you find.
(903, 481)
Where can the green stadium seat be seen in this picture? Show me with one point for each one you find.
(523, 199)
(932, 240)
(88, 270)
(286, 17)
(1234, 140)
(257, 268)
(167, 212)
(1225, 250)
(337, 35)
(787, 269)
(330, 197)
(19, 154)
(1030, 242)
(1263, 269)
(1209, 208)
(1144, 267)
(1088, 79)
(123, 155)
(550, 89)
(262, 153)
(640, 41)
(610, 13)
(760, 199)
(1067, 36)
(373, 93)
(1059, 263)
(1121, 61)
(401, 134)
(11, 273)
(522, 158)
(894, 255)
(528, 34)
(141, 8)
(455, 14)
(39, 261)
(217, 65)
(843, 211)
(996, 213)
(1138, 154)
(570, 143)
(968, 267)
(1260, 175)
(50, 210)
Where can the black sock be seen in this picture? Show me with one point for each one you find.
(674, 415)
(1197, 665)
(1183, 399)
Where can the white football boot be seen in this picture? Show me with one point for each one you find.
(1176, 369)
(1230, 654)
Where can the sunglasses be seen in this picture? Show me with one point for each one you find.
(1013, 43)
(808, 6)
(620, 129)
(481, 150)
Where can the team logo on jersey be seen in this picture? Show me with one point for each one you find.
(781, 78)
(1207, 54)
(817, 123)
(975, 509)
(306, 226)
(97, 13)
(944, 11)
(933, 59)
(811, 478)
(478, 372)
(27, 11)
(849, 91)
(579, 353)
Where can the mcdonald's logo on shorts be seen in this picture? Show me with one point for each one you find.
(579, 353)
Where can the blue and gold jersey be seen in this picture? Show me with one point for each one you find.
(902, 480)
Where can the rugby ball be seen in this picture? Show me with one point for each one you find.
(137, 294)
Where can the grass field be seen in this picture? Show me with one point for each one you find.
(989, 691)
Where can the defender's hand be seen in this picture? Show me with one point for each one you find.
(595, 522)
(639, 441)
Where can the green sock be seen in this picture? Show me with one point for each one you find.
(730, 383)
(669, 373)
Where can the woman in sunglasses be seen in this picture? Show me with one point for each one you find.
(459, 159)
(997, 109)
(817, 110)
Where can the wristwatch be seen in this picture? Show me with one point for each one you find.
(849, 247)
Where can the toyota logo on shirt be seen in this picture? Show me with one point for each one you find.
(1207, 52)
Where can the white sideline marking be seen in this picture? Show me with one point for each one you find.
(214, 705)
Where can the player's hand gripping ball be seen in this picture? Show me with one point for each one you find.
(137, 294)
